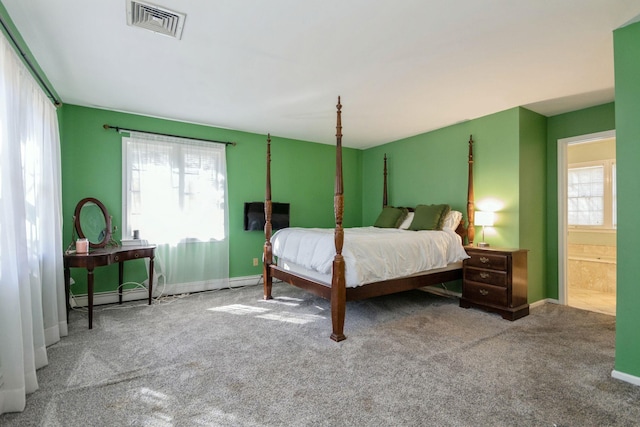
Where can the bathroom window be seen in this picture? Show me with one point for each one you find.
(592, 195)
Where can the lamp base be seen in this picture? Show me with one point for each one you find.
(483, 245)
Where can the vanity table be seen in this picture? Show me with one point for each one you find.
(106, 256)
(92, 223)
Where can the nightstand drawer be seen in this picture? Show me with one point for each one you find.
(487, 260)
(485, 294)
(492, 277)
(133, 254)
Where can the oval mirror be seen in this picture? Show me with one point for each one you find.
(92, 221)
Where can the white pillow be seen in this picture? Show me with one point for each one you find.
(407, 221)
(452, 220)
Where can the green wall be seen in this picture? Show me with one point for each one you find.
(627, 70)
(509, 153)
(533, 152)
(432, 168)
(302, 174)
(582, 122)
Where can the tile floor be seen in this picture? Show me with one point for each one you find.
(601, 302)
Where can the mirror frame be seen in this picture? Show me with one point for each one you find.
(107, 219)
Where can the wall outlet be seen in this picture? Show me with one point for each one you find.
(255, 262)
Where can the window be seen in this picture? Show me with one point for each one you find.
(592, 195)
(174, 189)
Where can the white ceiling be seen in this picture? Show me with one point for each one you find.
(402, 67)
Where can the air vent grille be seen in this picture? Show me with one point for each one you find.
(155, 18)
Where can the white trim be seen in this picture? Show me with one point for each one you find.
(101, 298)
(632, 379)
(136, 294)
(543, 302)
(235, 282)
(562, 164)
(590, 137)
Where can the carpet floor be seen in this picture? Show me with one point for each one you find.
(228, 358)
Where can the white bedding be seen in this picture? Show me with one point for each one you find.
(371, 254)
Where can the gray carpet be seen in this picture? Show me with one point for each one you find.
(227, 358)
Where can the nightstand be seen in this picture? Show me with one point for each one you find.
(495, 280)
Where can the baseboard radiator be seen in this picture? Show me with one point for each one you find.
(140, 293)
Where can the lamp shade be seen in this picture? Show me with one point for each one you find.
(484, 218)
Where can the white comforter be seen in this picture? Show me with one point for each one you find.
(371, 254)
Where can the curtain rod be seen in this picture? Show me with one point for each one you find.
(119, 129)
(50, 94)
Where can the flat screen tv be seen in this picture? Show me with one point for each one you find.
(254, 216)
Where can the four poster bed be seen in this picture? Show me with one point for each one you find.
(323, 271)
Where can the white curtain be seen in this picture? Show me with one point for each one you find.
(175, 195)
(32, 296)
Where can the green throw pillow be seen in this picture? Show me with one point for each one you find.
(429, 217)
(391, 217)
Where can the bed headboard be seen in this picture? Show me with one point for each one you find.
(467, 231)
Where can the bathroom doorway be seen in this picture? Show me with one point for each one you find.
(587, 222)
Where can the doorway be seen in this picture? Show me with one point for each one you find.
(587, 222)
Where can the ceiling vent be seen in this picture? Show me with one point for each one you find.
(155, 18)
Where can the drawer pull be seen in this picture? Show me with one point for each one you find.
(484, 275)
(484, 259)
(117, 257)
(484, 292)
(136, 255)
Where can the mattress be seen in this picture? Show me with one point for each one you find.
(371, 254)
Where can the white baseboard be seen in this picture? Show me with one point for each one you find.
(101, 298)
(136, 294)
(632, 379)
(544, 301)
(234, 282)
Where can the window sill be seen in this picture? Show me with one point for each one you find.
(592, 230)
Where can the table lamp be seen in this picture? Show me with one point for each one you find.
(484, 219)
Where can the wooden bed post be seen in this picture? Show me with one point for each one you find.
(471, 231)
(268, 253)
(385, 197)
(338, 284)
